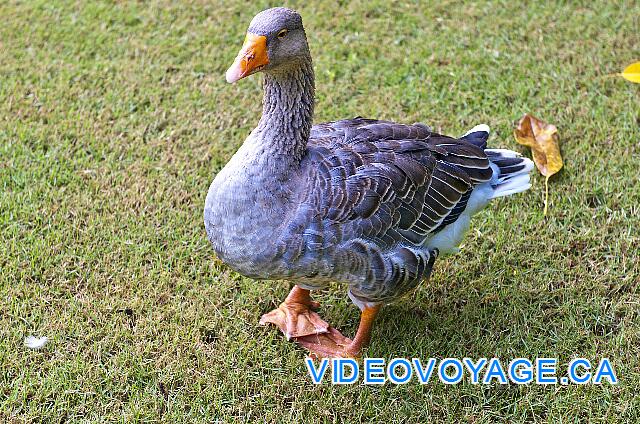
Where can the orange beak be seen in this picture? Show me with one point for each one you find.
(252, 58)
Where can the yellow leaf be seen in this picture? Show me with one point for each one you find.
(543, 140)
(632, 72)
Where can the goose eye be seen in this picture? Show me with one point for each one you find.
(282, 33)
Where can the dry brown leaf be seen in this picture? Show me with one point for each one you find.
(543, 140)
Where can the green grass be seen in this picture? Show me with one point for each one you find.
(115, 117)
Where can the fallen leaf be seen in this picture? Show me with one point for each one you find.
(543, 140)
(632, 72)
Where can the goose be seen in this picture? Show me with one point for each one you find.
(368, 203)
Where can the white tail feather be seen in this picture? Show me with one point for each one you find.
(478, 128)
(514, 185)
(505, 181)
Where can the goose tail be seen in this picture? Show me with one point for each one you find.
(510, 169)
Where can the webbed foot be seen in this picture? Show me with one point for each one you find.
(295, 316)
(297, 321)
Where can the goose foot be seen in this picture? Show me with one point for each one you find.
(295, 316)
(332, 344)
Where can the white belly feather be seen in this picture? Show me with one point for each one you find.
(449, 238)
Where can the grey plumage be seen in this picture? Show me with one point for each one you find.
(360, 201)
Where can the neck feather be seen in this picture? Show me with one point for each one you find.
(287, 112)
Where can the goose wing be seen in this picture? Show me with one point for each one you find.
(389, 182)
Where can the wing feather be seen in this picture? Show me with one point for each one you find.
(390, 183)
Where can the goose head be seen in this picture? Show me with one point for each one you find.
(275, 42)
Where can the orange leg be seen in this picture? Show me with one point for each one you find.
(363, 335)
(295, 317)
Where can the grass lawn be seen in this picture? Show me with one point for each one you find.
(115, 117)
